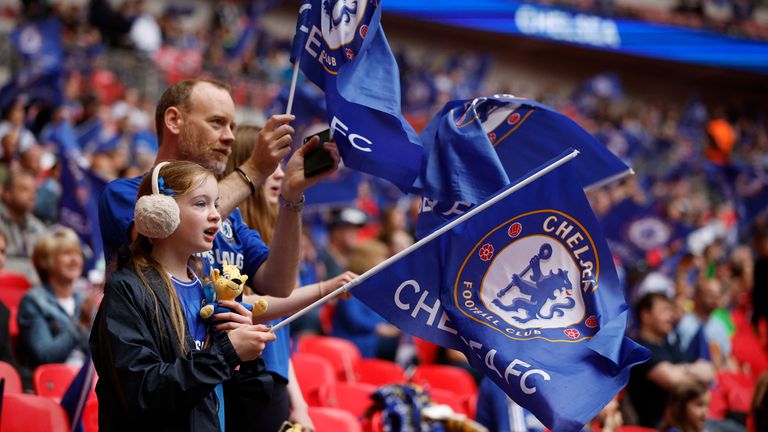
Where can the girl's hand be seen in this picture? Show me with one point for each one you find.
(232, 320)
(249, 340)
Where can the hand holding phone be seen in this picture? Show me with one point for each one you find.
(317, 160)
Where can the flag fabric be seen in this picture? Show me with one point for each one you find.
(80, 191)
(339, 189)
(527, 290)
(76, 396)
(41, 78)
(477, 146)
(633, 230)
(342, 48)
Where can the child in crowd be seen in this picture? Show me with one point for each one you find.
(159, 368)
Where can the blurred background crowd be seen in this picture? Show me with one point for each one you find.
(688, 232)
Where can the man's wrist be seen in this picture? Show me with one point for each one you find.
(254, 173)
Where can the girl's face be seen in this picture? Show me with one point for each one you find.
(67, 264)
(199, 217)
(272, 185)
(696, 411)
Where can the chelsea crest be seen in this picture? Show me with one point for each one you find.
(532, 277)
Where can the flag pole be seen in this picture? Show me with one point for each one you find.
(293, 85)
(447, 227)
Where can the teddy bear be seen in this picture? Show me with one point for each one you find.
(227, 284)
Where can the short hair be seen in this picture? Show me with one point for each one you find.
(11, 176)
(49, 245)
(645, 303)
(178, 95)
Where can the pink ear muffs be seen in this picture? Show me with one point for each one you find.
(156, 215)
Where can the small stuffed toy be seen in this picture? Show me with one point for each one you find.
(228, 284)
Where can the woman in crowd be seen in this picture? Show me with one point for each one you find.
(55, 318)
(687, 409)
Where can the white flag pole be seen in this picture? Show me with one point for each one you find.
(304, 7)
(384, 264)
(293, 86)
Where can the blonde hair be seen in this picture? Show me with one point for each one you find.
(49, 245)
(179, 176)
(257, 212)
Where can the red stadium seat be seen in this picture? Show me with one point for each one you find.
(52, 380)
(13, 323)
(354, 397)
(449, 378)
(31, 413)
(341, 353)
(379, 372)
(333, 420)
(91, 415)
(316, 379)
(11, 377)
(13, 286)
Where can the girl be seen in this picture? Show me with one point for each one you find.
(157, 365)
(687, 409)
(260, 213)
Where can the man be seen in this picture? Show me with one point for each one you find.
(707, 297)
(668, 367)
(195, 120)
(343, 228)
(20, 227)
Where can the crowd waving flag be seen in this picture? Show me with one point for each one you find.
(475, 147)
(340, 46)
(527, 290)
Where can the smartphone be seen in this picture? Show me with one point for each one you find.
(318, 160)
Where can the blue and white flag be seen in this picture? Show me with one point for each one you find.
(342, 48)
(41, 78)
(527, 290)
(77, 393)
(477, 146)
(633, 230)
(80, 192)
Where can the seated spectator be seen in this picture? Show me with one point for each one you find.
(54, 319)
(6, 354)
(20, 226)
(14, 137)
(687, 408)
(342, 237)
(355, 321)
(707, 297)
(668, 367)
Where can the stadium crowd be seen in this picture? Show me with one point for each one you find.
(694, 268)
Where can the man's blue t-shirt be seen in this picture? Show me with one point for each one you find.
(235, 242)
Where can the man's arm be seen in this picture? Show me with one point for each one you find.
(274, 144)
(277, 276)
(670, 376)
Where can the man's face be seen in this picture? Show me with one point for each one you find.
(661, 318)
(207, 131)
(709, 295)
(21, 197)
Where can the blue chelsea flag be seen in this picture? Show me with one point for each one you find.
(526, 288)
(477, 146)
(342, 48)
